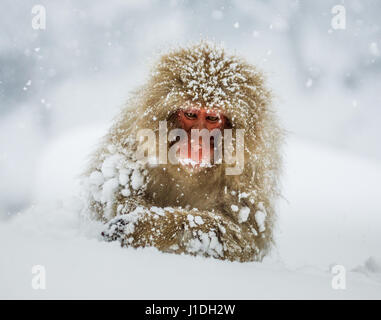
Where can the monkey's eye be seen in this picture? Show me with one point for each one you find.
(212, 118)
(190, 115)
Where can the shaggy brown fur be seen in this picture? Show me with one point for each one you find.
(170, 208)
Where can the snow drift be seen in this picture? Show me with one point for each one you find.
(330, 215)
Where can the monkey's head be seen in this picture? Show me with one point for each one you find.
(202, 87)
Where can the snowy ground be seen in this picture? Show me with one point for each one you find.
(331, 215)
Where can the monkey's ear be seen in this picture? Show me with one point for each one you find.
(180, 81)
(172, 116)
(229, 124)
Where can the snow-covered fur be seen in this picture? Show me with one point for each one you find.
(207, 213)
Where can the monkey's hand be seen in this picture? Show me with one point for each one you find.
(183, 231)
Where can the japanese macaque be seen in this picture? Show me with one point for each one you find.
(197, 205)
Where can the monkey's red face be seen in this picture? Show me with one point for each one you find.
(200, 118)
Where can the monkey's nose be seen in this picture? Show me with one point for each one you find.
(200, 125)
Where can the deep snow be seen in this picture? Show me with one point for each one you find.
(330, 215)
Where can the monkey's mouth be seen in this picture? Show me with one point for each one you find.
(197, 156)
(191, 164)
